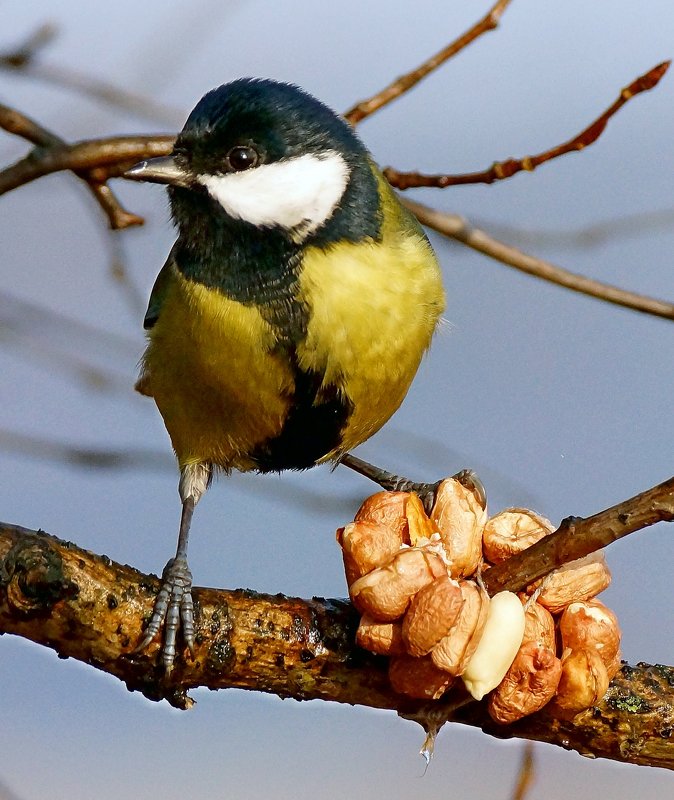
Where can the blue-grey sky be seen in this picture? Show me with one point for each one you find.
(560, 402)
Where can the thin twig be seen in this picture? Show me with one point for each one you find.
(106, 158)
(636, 224)
(43, 352)
(405, 82)
(506, 169)
(577, 537)
(31, 319)
(457, 228)
(52, 154)
(120, 275)
(526, 773)
(22, 54)
(22, 59)
(89, 458)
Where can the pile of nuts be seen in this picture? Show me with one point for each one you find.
(413, 579)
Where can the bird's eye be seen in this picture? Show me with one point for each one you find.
(241, 158)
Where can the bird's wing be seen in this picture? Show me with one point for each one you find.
(159, 290)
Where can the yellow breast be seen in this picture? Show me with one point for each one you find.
(374, 308)
(210, 368)
(223, 386)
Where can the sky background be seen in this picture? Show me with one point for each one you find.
(560, 402)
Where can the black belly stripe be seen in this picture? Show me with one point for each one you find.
(312, 428)
(261, 267)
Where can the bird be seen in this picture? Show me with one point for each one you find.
(293, 310)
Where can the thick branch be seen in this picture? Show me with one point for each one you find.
(86, 607)
(501, 170)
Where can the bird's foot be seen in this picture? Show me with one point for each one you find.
(427, 492)
(173, 609)
(471, 480)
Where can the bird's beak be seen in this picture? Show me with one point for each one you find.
(160, 170)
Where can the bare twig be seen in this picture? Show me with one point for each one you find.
(457, 228)
(23, 59)
(88, 608)
(120, 275)
(25, 317)
(23, 53)
(636, 224)
(89, 458)
(577, 537)
(100, 159)
(93, 161)
(526, 773)
(506, 169)
(405, 82)
(42, 351)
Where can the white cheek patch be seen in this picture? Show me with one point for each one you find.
(300, 193)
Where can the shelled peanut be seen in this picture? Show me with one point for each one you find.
(412, 576)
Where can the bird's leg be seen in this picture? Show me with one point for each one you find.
(426, 491)
(174, 608)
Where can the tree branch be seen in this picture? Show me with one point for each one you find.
(405, 82)
(577, 537)
(86, 607)
(456, 227)
(24, 59)
(93, 161)
(96, 161)
(501, 170)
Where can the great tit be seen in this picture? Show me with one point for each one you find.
(294, 308)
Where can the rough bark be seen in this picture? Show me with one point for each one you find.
(84, 606)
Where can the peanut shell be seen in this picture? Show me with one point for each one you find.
(460, 519)
(512, 531)
(367, 545)
(583, 682)
(418, 677)
(529, 684)
(385, 593)
(577, 580)
(453, 652)
(383, 638)
(386, 508)
(590, 624)
(432, 612)
(539, 625)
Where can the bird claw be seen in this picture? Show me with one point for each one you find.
(427, 492)
(470, 479)
(173, 610)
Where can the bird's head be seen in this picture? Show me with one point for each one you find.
(268, 155)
